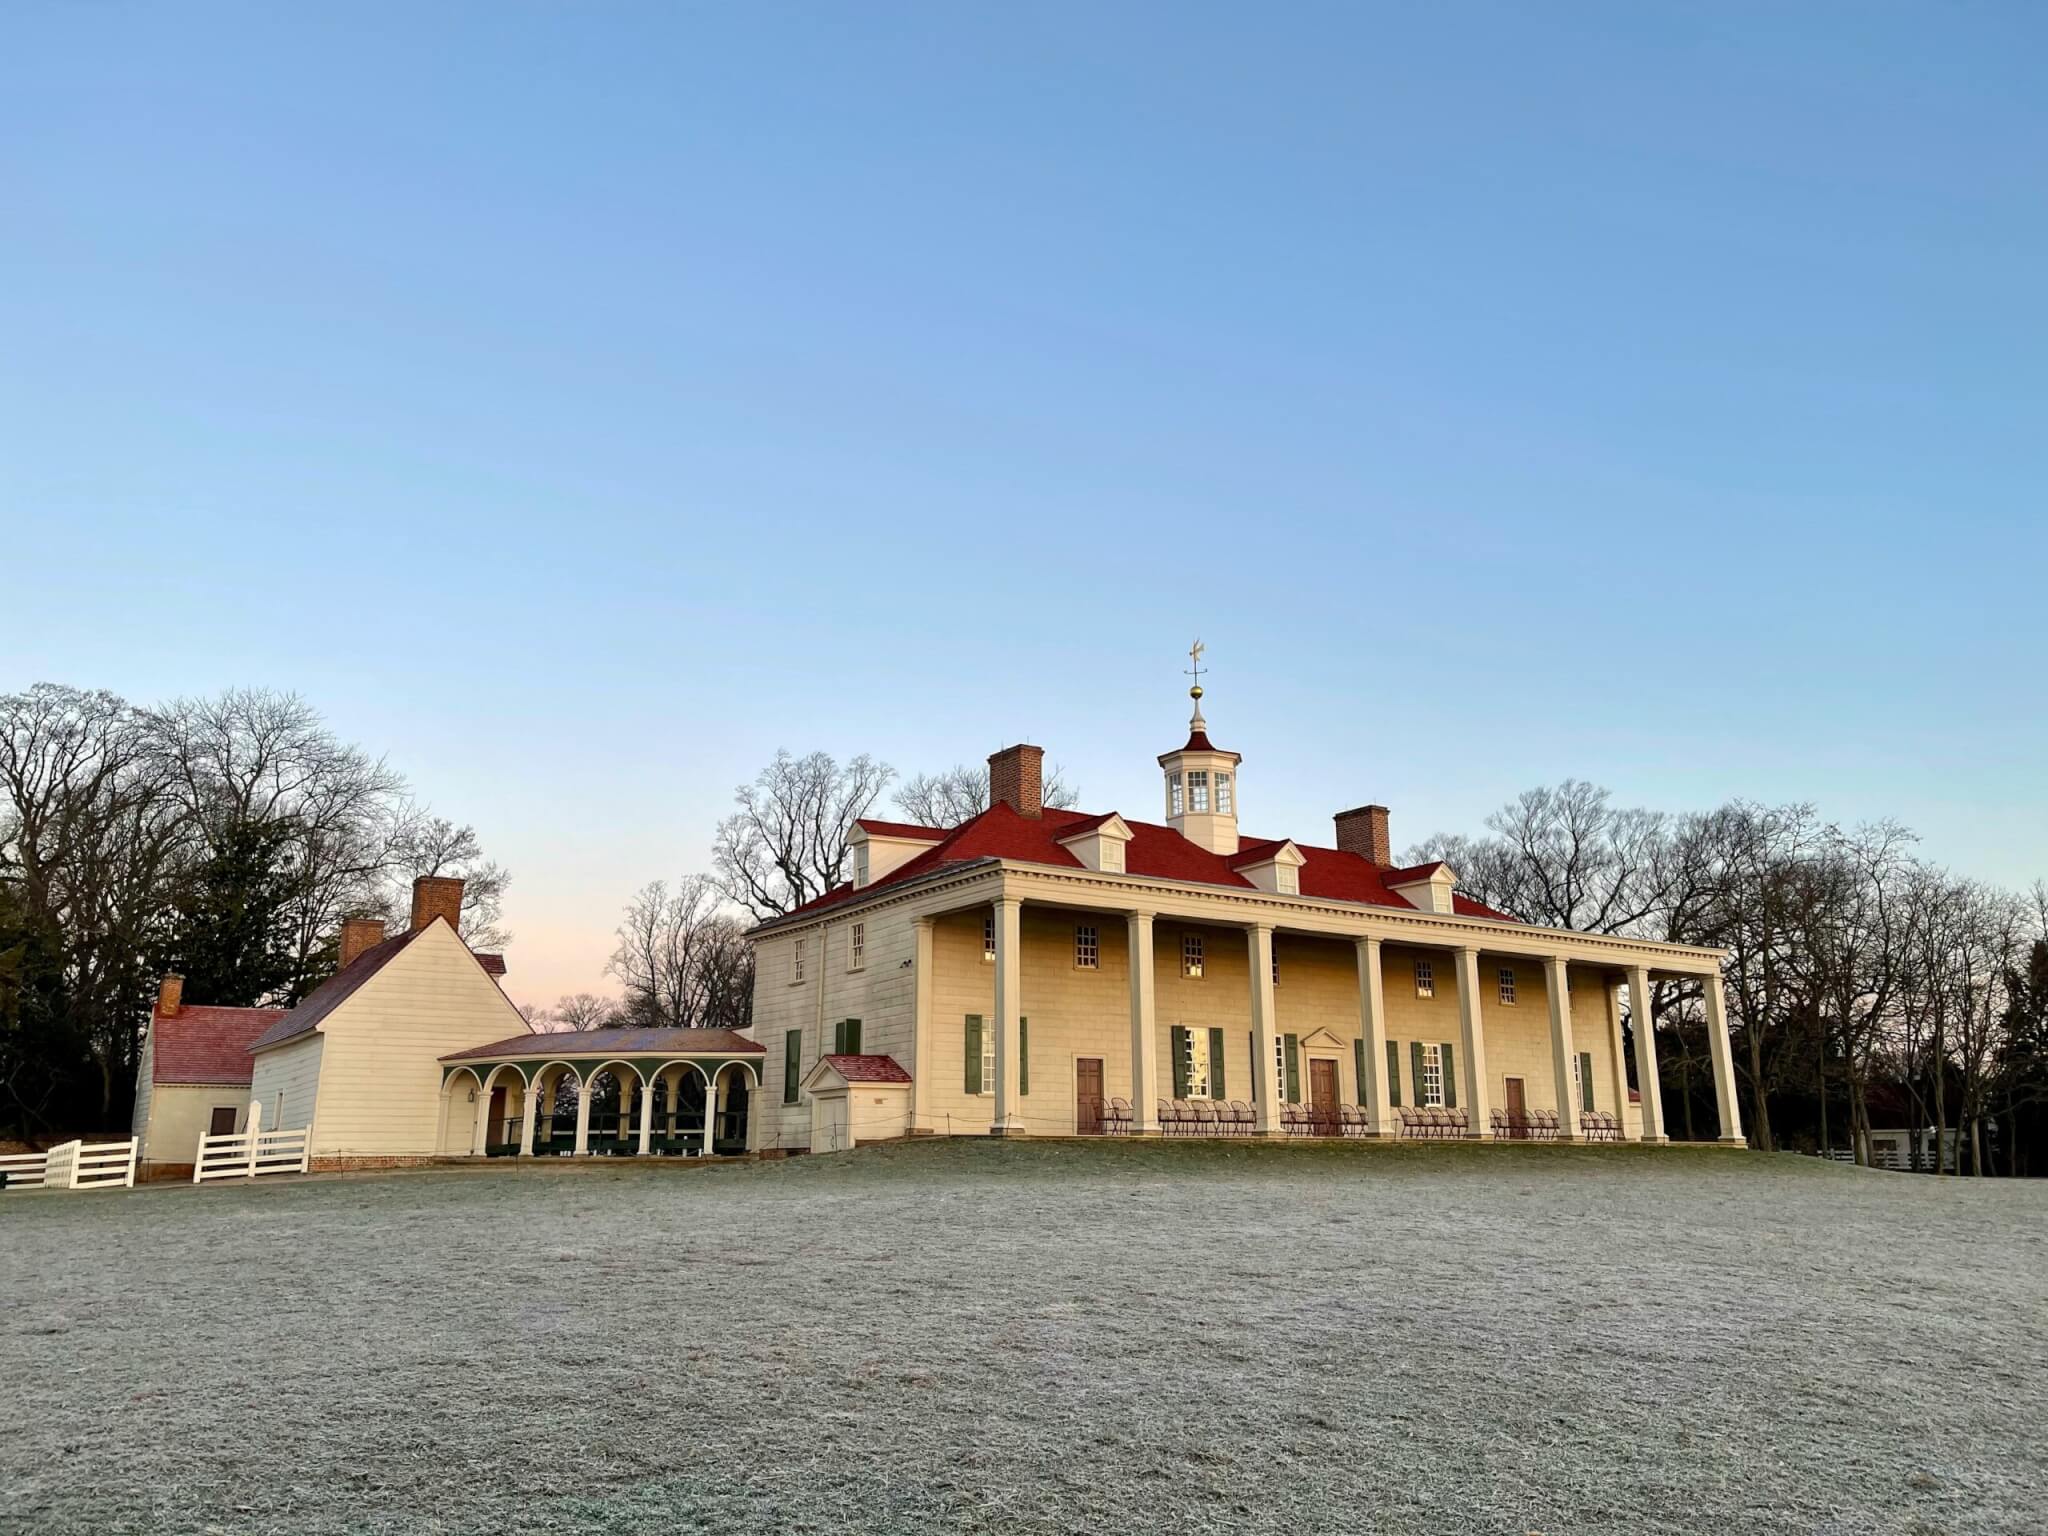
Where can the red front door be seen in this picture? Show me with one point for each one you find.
(1518, 1110)
(1322, 1096)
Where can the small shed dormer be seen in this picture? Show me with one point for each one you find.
(1427, 888)
(1201, 787)
(1100, 843)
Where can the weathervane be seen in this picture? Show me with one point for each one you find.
(1195, 670)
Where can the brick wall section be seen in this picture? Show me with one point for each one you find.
(1364, 832)
(437, 896)
(1016, 776)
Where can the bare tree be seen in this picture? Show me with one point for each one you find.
(577, 1012)
(786, 844)
(684, 959)
(425, 844)
(960, 793)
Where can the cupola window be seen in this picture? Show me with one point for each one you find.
(1175, 801)
(1223, 802)
(1198, 791)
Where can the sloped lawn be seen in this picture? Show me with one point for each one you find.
(1039, 1338)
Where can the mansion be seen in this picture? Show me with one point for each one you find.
(1046, 971)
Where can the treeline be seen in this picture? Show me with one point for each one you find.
(223, 838)
(1867, 988)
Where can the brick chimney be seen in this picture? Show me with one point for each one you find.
(1016, 776)
(436, 896)
(357, 935)
(1364, 832)
(170, 996)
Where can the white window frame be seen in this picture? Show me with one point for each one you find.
(796, 962)
(1198, 791)
(1224, 802)
(1288, 879)
(988, 938)
(1431, 1089)
(1087, 947)
(988, 1058)
(1507, 986)
(1175, 795)
(1196, 1064)
(1425, 979)
(1191, 956)
(856, 946)
(1112, 856)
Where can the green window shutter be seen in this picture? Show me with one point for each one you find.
(1216, 1064)
(1415, 1069)
(1178, 1044)
(1358, 1070)
(1450, 1065)
(792, 1059)
(1023, 1057)
(846, 1038)
(1292, 1095)
(974, 1053)
(1394, 1074)
(1586, 1080)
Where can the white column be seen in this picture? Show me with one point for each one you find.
(1643, 1027)
(1373, 1098)
(646, 1099)
(1259, 946)
(529, 1112)
(711, 1109)
(922, 979)
(1472, 1039)
(582, 1115)
(1563, 1049)
(1144, 1026)
(1009, 1119)
(1611, 990)
(1724, 1064)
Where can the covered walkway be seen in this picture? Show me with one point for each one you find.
(633, 1092)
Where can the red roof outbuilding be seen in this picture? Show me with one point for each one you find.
(207, 1045)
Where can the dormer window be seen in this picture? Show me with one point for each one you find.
(1112, 856)
(1223, 795)
(1198, 791)
(1289, 880)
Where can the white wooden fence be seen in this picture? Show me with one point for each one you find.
(73, 1165)
(252, 1152)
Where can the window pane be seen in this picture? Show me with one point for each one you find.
(1223, 794)
(1198, 792)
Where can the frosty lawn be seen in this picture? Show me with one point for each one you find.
(1044, 1338)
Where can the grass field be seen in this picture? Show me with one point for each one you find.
(1041, 1338)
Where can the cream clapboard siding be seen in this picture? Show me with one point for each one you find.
(1077, 1013)
(286, 1082)
(379, 1072)
(181, 1113)
(145, 1070)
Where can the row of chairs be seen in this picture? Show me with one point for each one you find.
(1426, 1124)
(1206, 1117)
(1541, 1125)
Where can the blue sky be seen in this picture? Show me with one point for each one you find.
(578, 403)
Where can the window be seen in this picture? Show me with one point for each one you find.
(1194, 1044)
(796, 961)
(1223, 795)
(1087, 947)
(857, 947)
(1288, 880)
(1425, 979)
(988, 1060)
(792, 1059)
(1191, 955)
(223, 1123)
(1507, 984)
(1175, 802)
(1198, 791)
(1431, 1089)
(1112, 856)
(988, 936)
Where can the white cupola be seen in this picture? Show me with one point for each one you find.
(1201, 783)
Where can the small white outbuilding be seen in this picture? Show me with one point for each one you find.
(856, 1099)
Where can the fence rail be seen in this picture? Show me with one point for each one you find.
(251, 1153)
(72, 1165)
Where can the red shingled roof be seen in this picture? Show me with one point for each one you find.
(206, 1045)
(625, 1041)
(875, 828)
(494, 965)
(1157, 852)
(867, 1069)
